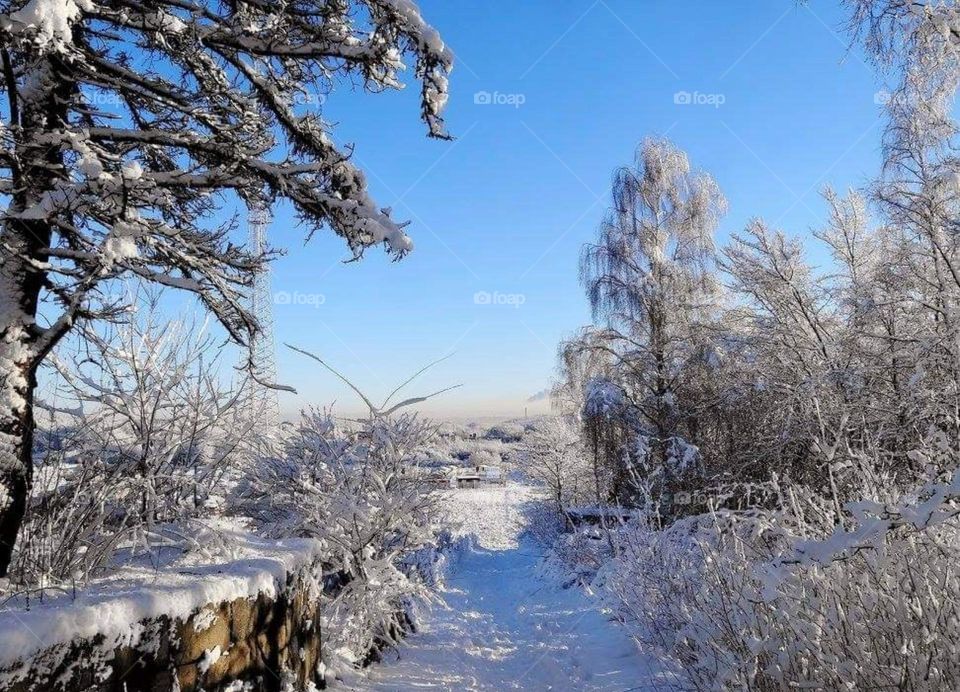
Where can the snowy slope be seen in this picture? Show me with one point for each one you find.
(507, 622)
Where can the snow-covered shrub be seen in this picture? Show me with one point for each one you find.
(462, 449)
(64, 537)
(359, 490)
(156, 409)
(801, 597)
(485, 457)
(143, 434)
(505, 432)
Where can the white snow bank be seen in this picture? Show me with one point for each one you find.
(116, 605)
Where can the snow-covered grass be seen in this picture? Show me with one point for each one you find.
(494, 515)
(780, 599)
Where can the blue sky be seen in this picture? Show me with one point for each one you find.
(785, 109)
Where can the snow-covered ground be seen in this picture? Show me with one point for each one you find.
(506, 621)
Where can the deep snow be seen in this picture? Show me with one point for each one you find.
(507, 622)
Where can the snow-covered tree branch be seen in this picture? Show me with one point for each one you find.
(122, 124)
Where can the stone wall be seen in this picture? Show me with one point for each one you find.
(263, 641)
(269, 642)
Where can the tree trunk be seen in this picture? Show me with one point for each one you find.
(20, 287)
(23, 255)
(16, 467)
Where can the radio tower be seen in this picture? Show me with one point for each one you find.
(263, 399)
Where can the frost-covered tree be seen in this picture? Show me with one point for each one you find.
(649, 277)
(358, 489)
(581, 358)
(124, 121)
(787, 317)
(919, 42)
(142, 434)
(553, 454)
(151, 395)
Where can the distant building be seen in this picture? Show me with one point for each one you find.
(476, 476)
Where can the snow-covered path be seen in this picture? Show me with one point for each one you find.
(508, 623)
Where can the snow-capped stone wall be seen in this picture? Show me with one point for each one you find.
(269, 641)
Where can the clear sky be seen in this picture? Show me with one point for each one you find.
(779, 108)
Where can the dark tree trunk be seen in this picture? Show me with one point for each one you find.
(23, 253)
(20, 287)
(16, 471)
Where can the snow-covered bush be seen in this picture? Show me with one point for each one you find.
(467, 450)
(485, 457)
(65, 538)
(359, 490)
(150, 458)
(154, 404)
(505, 432)
(772, 600)
(144, 433)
